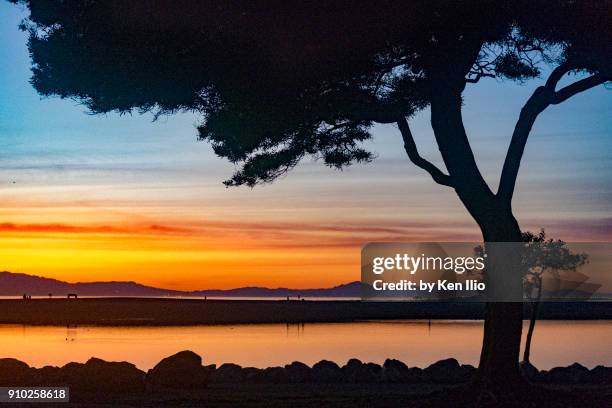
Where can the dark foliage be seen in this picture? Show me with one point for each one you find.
(276, 81)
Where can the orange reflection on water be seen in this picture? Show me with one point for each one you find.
(417, 343)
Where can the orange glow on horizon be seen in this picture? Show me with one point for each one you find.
(188, 253)
(196, 255)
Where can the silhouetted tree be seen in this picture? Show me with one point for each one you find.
(278, 81)
(544, 255)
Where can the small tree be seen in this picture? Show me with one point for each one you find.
(542, 256)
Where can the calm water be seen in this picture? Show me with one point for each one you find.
(417, 343)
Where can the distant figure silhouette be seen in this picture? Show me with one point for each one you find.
(50, 295)
(72, 295)
(25, 296)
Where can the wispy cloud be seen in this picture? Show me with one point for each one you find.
(89, 229)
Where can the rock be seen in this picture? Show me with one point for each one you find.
(468, 371)
(98, 379)
(227, 373)
(48, 376)
(369, 373)
(298, 372)
(14, 372)
(528, 370)
(415, 375)
(357, 372)
(447, 371)
(600, 375)
(182, 370)
(394, 371)
(274, 375)
(573, 374)
(326, 372)
(251, 374)
(123, 377)
(351, 369)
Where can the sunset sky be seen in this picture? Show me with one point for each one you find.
(86, 198)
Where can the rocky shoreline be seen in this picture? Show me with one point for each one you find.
(98, 380)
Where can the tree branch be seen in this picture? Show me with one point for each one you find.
(477, 75)
(587, 83)
(558, 73)
(538, 101)
(542, 97)
(414, 156)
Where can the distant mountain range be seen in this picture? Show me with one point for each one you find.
(17, 284)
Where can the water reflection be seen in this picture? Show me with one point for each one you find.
(418, 343)
(295, 329)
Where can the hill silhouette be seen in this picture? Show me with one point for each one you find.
(16, 284)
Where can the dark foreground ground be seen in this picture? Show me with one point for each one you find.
(163, 312)
(343, 396)
(182, 380)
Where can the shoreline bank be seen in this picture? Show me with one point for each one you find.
(185, 312)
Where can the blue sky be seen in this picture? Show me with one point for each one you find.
(59, 165)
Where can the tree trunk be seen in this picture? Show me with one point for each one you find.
(535, 306)
(498, 371)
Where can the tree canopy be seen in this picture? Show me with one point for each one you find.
(277, 81)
